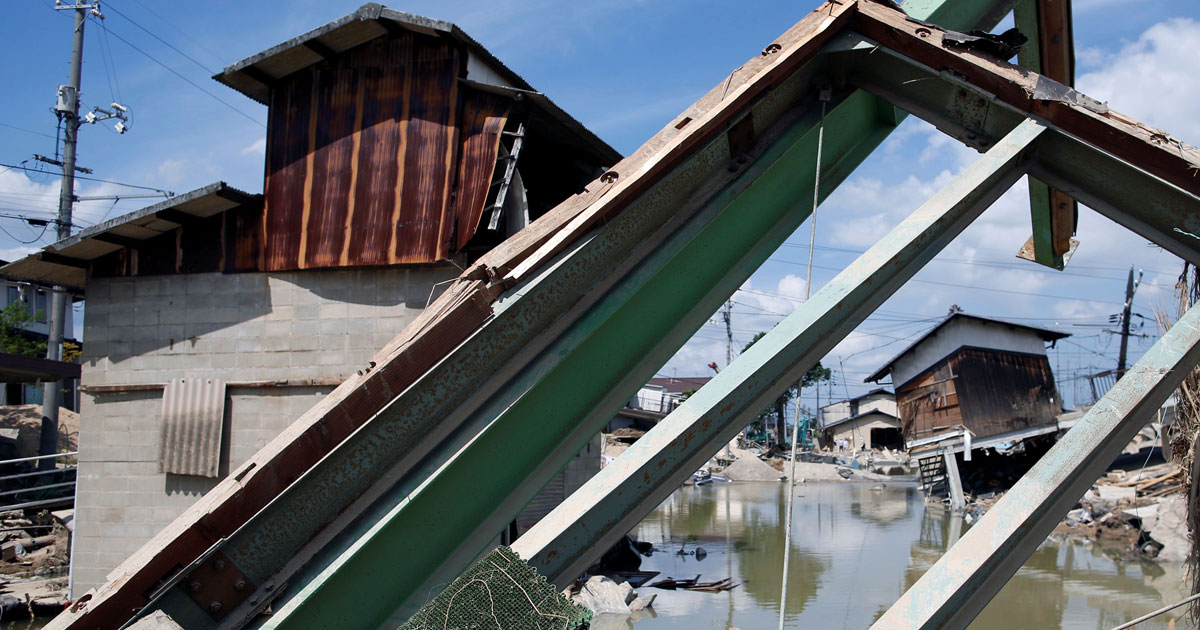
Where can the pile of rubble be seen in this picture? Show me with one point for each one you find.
(1144, 512)
(34, 558)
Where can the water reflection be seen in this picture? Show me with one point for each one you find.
(855, 549)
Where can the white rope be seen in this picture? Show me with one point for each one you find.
(812, 239)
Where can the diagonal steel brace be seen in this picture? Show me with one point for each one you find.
(567, 540)
(966, 578)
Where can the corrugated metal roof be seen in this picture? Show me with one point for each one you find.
(255, 75)
(65, 263)
(1045, 333)
(193, 413)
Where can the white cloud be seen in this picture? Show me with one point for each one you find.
(258, 147)
(1154, 79)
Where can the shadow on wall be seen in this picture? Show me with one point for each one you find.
(213, 313)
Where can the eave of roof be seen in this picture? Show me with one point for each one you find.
(877, 390)
(860, 416)
(1045, 333)
(65, 263)
(15, 368)
(254, 75)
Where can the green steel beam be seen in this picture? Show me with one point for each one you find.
(1143, 203)
(593, 401)
(421, 486)
(578, 384)
(593, 518)
(971, 572)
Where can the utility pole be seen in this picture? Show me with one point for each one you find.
(1130, 288)
(67, 109)
(727, 313)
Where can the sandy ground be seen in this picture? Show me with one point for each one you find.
(27, 420)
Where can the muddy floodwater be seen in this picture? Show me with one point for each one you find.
(856, 547)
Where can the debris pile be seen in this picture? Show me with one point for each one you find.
(34, 556)
(602, 595)
(1143, 512)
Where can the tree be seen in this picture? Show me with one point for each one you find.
(814, 376)
(13, 338)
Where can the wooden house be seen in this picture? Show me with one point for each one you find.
(397, 148)
(975, 380)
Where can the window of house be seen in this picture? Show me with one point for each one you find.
(41, 307)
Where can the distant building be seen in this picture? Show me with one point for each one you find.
(976, 375)
(654, 401)
(397, 147)
(866, 421)
(36, 301)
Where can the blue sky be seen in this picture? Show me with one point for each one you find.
(624, 68)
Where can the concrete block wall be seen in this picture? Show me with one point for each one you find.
(237, 327)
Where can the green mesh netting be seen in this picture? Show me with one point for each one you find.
(500, 592)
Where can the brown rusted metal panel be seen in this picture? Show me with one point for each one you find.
(193, 413)
(483, 119)
(362, 155)
(321, 242)
(385, 110)
(287, 152)
(422, 228)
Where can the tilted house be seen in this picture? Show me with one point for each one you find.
(975, 375)
(397, 147)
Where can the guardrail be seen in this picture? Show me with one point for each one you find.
(36, 492)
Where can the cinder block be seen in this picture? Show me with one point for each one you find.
(306, 312)
(333, 311)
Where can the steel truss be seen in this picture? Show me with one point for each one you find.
(403, 476)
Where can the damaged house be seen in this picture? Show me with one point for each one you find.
(973, 383)
(398, 150)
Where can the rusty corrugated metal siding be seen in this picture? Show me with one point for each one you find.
(193, 414)
(376, 157)
(483, 119)
(364, 153)
(988, 391)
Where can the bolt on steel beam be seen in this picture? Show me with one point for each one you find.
(568, 539)
(971, 572)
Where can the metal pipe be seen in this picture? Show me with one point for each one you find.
(39, 457)
(1149, 616)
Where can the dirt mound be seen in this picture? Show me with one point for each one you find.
(27, 420)
(750, 468)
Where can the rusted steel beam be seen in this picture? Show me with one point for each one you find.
(572, 536)
(1050, 52)
(1032, 94)
(978, 100)
(971, 572)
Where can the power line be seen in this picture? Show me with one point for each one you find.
(164, 42)
(215, 55)
(90, 179)
(188, 81)
(36, 133)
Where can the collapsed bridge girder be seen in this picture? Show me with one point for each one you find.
(396, 482)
